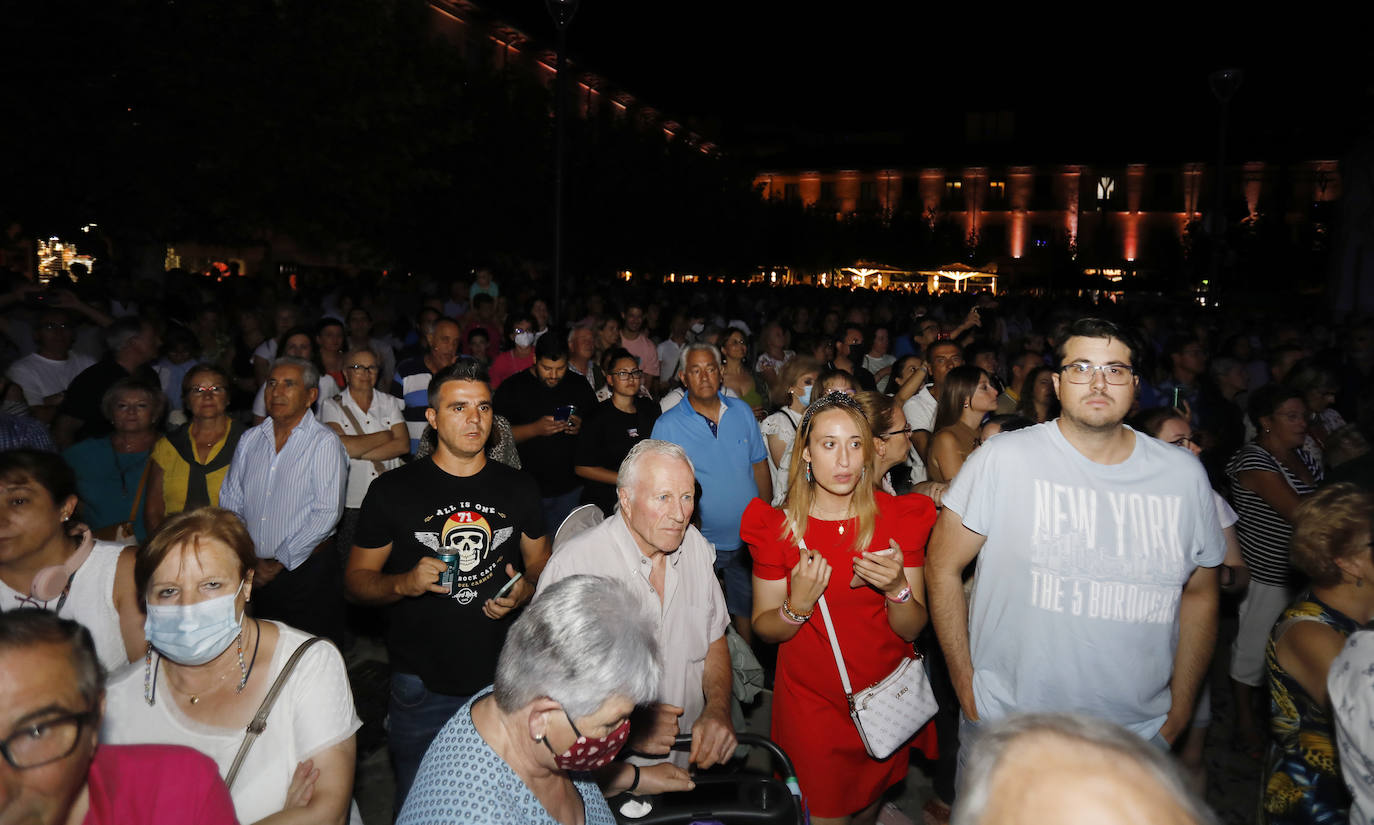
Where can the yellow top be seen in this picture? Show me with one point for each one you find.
(176, 473)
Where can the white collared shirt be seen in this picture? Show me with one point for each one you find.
(384, 412)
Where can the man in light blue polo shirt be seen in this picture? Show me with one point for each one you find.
(722, 438)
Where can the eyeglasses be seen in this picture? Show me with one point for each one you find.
(211, 390)
(363, 367)
(625, 375)
(903, 431)
(1081, 372)
(38, 743)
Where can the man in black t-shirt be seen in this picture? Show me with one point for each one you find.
(444, 639)
(546, 406)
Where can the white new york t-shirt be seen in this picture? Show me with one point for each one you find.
(1076, 595)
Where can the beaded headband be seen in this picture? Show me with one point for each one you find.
(834, 398)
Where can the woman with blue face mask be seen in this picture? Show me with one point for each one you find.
(793, 395)
(209, 664)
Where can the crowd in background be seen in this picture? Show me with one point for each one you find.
(162, 399)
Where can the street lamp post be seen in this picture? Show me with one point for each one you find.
(562, 12)
(1224, 84)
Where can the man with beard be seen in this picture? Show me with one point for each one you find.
(1097, 547)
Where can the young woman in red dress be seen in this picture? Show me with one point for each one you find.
(864, 553)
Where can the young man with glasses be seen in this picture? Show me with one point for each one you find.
(621, 421)
(1097, 548)
(53, 769)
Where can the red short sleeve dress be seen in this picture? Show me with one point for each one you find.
(810, 715)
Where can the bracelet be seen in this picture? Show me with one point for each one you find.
(634, 784)
(900, 598)
(789, 616)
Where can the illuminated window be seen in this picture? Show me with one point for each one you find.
(1106, 186)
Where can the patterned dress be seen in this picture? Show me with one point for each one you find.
(1303, 782)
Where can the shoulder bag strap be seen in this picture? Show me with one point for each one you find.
(259, 723)
(142, 484)
(352, 419)
(835, 648)
(834, 641)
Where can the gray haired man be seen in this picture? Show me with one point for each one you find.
(651, 544)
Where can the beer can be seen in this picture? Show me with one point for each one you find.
(450, 561)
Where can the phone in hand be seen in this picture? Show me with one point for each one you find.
(565, 413)
(505, 588)
(890, 552)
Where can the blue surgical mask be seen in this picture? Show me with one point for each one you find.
(806, 396)
(193, 634)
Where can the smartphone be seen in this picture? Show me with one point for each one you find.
(858, 581)
(565, 412)
(1177, 392)
(505, 588)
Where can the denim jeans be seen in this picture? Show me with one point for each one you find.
(556, 508)
(415, 716)
(735, 571)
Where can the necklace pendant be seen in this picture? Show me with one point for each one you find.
(842, 529)
(195, 700)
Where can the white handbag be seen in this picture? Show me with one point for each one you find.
(890, 712)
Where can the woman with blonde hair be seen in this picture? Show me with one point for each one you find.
(835, 520)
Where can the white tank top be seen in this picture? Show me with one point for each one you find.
(90, 602)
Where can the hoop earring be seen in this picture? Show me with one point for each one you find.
(808, 472)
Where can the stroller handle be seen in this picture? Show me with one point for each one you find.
(683, 742)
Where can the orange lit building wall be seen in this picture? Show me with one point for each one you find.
(847, 191)
(1019, 182)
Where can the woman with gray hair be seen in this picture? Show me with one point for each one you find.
(572, 669)
(112, 470)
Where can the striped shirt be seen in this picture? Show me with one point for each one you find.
(290, 500)
(1263, 533)
(411, 385)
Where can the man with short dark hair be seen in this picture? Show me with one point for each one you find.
(1097, 548)
(360, 338)
(545, 405)
(287, 482)
(411, 383)
(1021, 366)
(635, 338)
(849, 356)
(919, 409)
(45, 374)
(131, 344)
(52, 769)
(438, 542)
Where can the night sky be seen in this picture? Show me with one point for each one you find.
(1082, 83)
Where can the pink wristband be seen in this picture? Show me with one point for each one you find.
(900, 598)
(783, 614)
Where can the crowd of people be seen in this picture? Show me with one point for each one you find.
(567, 520)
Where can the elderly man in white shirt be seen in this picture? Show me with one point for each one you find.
(650, 543)
(371, 426)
